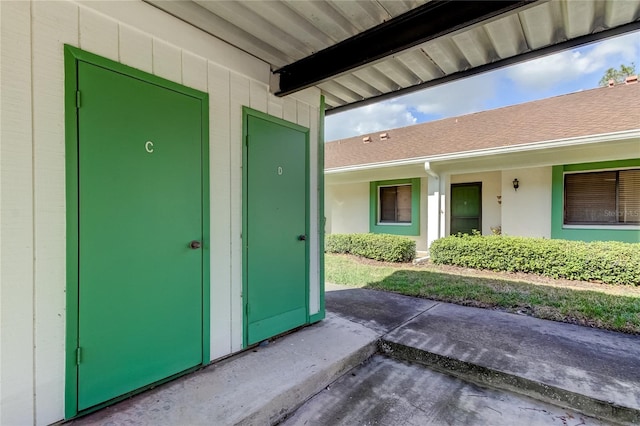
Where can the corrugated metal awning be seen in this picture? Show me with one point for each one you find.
(359, 51)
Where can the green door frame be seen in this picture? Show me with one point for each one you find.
(246, 113)
(466, 184)
(320, 215)
(72, 57)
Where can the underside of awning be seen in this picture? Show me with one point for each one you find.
(364, 51)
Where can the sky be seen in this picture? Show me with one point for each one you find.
(561, 73)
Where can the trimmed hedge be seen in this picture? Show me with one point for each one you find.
(383, 247)
(609, 262)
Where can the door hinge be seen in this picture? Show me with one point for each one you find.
(77, 99)
(78, 355)
(246, 141)
(248, 309)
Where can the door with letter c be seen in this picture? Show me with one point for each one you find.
(140, 233)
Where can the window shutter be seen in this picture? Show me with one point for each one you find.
(629, 196)
(590, 198)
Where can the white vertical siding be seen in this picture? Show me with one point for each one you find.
(53, 25)
(136, 48)
(162, 26)
(239, 90)
(194, 71)
(258, 94)
(98, 34)
(220, 202)
(16, 219)
(276, 107)
(32, 174)
(290, 110)
(314, 214)
(167, 61)
(302, 114)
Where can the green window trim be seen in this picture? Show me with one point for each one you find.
(602, 198)
(412, 228)
(624, 233)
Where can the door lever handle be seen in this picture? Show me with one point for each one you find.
(195, 244)
(302, 237)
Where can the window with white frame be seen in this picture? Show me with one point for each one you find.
(610, 197)
(394, 204)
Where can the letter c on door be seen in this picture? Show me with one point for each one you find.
(149, 147)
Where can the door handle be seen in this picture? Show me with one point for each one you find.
(195, 244)
(302, 237)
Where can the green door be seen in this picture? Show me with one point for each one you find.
(275, 228)
(140, 300)
(466, 208)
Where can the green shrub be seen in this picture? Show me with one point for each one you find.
(383, 247)
(609, 262)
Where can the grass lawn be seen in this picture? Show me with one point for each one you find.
(614, 308)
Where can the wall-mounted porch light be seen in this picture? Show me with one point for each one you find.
(516, 184)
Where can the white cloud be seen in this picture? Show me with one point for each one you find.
(457, 98)
(448, 100)
(482, 91)
(549, 71)
(368, 119)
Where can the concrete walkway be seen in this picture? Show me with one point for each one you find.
(258, 387)
(594, 371)
(484, 367)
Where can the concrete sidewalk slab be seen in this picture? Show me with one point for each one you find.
(258, 387)
(589, 369)
(594, 371)
(364, 307)
(385, 391)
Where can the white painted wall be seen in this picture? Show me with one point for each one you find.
(32, 174)
(527, 211)
(491, 188)
(347, 206)
(434, 209)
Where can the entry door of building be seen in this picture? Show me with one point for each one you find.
(275, 234)
(466, 208)
(140, 316)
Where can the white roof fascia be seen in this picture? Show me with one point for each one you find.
(555, 143)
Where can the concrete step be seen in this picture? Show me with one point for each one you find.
(258, 387)
(389, 392)
(594, 372)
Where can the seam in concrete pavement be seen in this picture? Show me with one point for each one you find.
(496, 379)
(504, 381)
(410, 319)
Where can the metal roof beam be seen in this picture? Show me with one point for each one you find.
(527, 56)
(424, 23)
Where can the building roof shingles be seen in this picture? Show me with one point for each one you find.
(580, 114)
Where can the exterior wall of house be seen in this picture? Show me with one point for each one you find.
(525, 212)
(32, 174)
(348, 207)
(626, 233)
(434, 209)
(491, 189)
